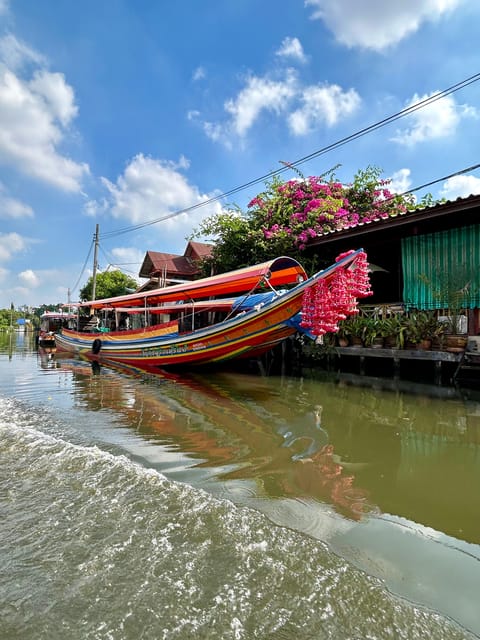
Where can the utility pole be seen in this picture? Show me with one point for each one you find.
(95, 256)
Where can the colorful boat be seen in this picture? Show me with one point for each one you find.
(199, 322)
(51, 322)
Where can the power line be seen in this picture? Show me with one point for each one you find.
(405, 193)
(72, 289)
(452, 175)
(287, 166)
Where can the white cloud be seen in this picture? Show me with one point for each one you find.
(58, 95)
(218, 133)
(304, 108)
(323, 104)
(29, 278)
(371, 24)
(94, 208)
(35, 116)
(460, 187)
(13, 208)
(127, 259)
(400, 181)
(260, 94)
(15, 54)
(128, 255)
(4, 7)
(193, 114)
(150, 189)
(199, 74)
(439, 119)
(34, 288)
(292, 48)
(10, 244)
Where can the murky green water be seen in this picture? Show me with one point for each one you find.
(227, 505)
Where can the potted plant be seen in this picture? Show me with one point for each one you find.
(374, 332)
(452, 289)
(428, 328)
(343, 333)
(353, 329)
(412, 334)
(395, 330)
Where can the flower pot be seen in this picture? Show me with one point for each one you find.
(424, 345)
(455, 343)
(390, 342)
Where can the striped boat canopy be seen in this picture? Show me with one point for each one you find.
(278, 272)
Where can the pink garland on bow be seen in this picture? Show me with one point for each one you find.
(332, 299)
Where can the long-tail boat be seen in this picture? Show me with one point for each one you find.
(199, 322)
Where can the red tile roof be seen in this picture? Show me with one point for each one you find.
(170, 265)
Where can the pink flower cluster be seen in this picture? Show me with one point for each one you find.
(334, 298)
(307, 208)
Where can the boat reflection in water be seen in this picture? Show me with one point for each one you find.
(386, 478)
(285, 453)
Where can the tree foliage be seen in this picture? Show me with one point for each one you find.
(108, 284)
(9, 317)
(287, 216)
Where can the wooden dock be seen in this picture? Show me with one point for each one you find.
(437, 358)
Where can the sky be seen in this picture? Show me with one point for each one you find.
(123, 112)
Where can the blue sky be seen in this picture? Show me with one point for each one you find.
(121, 112)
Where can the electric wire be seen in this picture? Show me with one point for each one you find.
(72, 289)
(288, 165)
(451, 175)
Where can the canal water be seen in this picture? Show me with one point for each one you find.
(231, 505)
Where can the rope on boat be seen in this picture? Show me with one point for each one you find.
(264, 278)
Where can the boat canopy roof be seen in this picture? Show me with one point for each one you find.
(57, 315)
(278, 272)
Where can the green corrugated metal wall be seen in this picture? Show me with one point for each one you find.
(448, 254)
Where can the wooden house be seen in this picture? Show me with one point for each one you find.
(426, 242)
(163, 269)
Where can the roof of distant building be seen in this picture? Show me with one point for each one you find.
(158, 264)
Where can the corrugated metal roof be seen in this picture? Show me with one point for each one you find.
(432, 215)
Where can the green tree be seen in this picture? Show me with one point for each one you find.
(107, 285)
(4, 319)
(237, 242)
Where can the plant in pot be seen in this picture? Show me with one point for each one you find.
(343, 335)
(428, 328)
(395, 329)
(374, 332)
(412, 334)
(352, 328)
(452, 289)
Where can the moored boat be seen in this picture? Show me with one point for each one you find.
(199, 322)
(51, 322)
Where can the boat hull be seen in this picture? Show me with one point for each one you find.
(48, 342)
